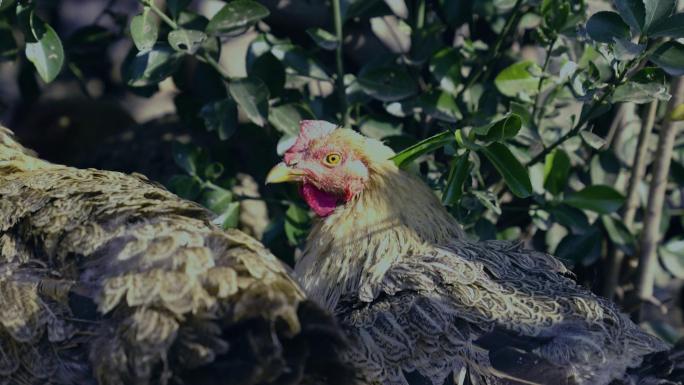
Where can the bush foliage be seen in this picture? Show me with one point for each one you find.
(525, 116)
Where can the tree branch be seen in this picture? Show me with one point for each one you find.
(632, 202)
(656, 197)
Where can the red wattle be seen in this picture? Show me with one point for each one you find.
(321, 202)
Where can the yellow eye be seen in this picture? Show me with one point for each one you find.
(332, 159)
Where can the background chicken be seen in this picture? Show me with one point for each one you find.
(424, 305)
(108, 278)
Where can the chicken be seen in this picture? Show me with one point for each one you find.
(107, 278)
(422, 304)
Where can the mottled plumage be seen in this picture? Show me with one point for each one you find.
(422, 304)
(108, 278)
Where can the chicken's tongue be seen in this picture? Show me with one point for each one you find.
(321, 202)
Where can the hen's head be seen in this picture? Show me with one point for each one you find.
(332, 164)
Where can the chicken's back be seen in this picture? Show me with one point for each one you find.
(491, 313)
(109, 278)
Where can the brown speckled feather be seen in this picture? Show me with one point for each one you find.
(108, 278)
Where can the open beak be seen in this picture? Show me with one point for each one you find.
(282, 173)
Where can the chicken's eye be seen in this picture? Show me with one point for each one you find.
(332, 159)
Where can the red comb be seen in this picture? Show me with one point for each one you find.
(309, 130)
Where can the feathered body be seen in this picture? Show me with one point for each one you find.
(108, 278)
(424, 305)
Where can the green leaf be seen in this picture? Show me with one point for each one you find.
(619, 234)
(296, 224)
(672, 257)
(230, 218)
(187, 40)
(269, 69)
(188, 157)
(514, 174)
(672, 27)
(151, 67)
(44, 49)
(556, 171)
(145, 29)
(423, 147)
(285, 118)
(251, 94)
(323, 38)
(236, 17)
(500, 130)
(456, 12)
(584, 248)
(379, 127)
(302, 63)
(175, 7)
(457, 176)
(445, 67)
(521, 77)
(387, 84)
(598, 198)
(184, 186)
(605, 26)
(441, 106)
(570, 217)
(670, 57)
(640, 93)
(217, 199)
(656, 11)
(213, 171)
(4, 4)
(8, 46)
(632, 12)
(221, 116)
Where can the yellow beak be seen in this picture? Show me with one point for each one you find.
(282, 173)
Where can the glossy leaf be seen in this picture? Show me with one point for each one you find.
(323, 38)
(605, 26)
(584, 248)
(514, 174)
(296, 224)
(423, 147)
(251, 94)
(672, 27)
(445, 67)
(441, 106)
(221, 116)
(230, 218)
(670, 57)
(521, 77)
(672, 257)
(656, 11)
(236, 16)
(619, 234)
(302, 63)
(175, 7)
(151, 67)
(145, 29)
(4, 4)
(599, 198)
(187, 40)
(457, 176)
(556, 171)
(269, 69)
(640, 93)
(44, 49)
(502, 129)
(632, 12)
(387, 84)
(570, 217)
(285, 118)
(593, 140)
